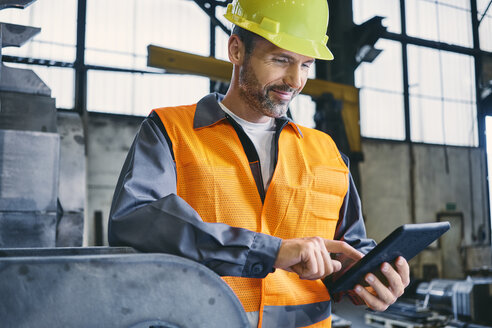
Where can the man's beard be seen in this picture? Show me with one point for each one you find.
(258, 98)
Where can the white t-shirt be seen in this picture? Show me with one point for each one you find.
(262, 135)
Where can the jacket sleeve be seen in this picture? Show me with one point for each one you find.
(351, 229)
(350, 226)
(147, 214)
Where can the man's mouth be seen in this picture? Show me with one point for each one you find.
(282, 94)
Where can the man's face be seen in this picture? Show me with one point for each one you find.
(271, 77)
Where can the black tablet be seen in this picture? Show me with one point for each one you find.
(407, 241)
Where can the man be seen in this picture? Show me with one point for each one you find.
(232, 183)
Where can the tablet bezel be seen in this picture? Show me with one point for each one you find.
(407, 240)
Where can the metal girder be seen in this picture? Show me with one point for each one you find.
(208, 8)
(20, 4)
(219, 70)
(12, 35)
(485, 12)
(22, 80)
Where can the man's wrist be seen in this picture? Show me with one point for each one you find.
(261, 256)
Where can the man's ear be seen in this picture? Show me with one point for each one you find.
(235, 50)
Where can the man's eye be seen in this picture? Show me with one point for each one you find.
(281, 60)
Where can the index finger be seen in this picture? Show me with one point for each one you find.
(338, 246)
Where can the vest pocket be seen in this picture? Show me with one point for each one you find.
(330, 180)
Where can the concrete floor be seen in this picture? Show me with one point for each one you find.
(353, 313)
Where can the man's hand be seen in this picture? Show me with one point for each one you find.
(310, 257)
(383, 295)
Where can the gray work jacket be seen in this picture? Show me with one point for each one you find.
(147, 213)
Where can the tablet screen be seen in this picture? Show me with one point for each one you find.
(407, 241)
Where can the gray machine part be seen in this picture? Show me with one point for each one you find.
(27, 229)
(114, 290)
(20, 111)
(20, 4)
(70, 229)
(29, 168)
(13, 35)
(22, 80)
(468, 300)
(65, 251)
(29, 164)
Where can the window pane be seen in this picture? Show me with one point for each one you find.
(59, 80)
(366, 9)
(385, 72)
(442, 97)
(428, 67)
(382, 115)
(219, 13)
(443, 122)
(302, 109)
(460, 4)
(439, 22)
(58, 22)
(138, 94)
(221, 40)
(482, 5)
(485, 27)
(381, 94)
(118, 33)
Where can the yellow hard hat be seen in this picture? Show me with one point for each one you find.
(295, 25)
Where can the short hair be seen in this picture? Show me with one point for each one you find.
(248, 38)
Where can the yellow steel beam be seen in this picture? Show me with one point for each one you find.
(219, 70)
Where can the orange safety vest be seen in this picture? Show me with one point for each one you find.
(303, 200)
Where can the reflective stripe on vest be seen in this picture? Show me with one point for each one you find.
(303, 200)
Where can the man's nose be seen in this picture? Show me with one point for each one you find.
(294, 77)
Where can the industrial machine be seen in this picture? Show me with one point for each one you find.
(441, 303)
(112, 287)
(41, 167)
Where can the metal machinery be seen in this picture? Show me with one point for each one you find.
(441, 303)
(112, 287)
(41, 167)
(42, 195)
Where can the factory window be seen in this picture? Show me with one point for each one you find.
(221, 37)
(118, 35)
(447, 21)
(442, 103)
(442, 97)
(138, 94)
(55, 42)
(485, 27)
(57, 38)
(381, 93)
(390, 9)
(302, 109)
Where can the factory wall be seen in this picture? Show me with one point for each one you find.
(448, 182)
(108, 142)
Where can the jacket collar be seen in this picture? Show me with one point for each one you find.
(208, 112)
